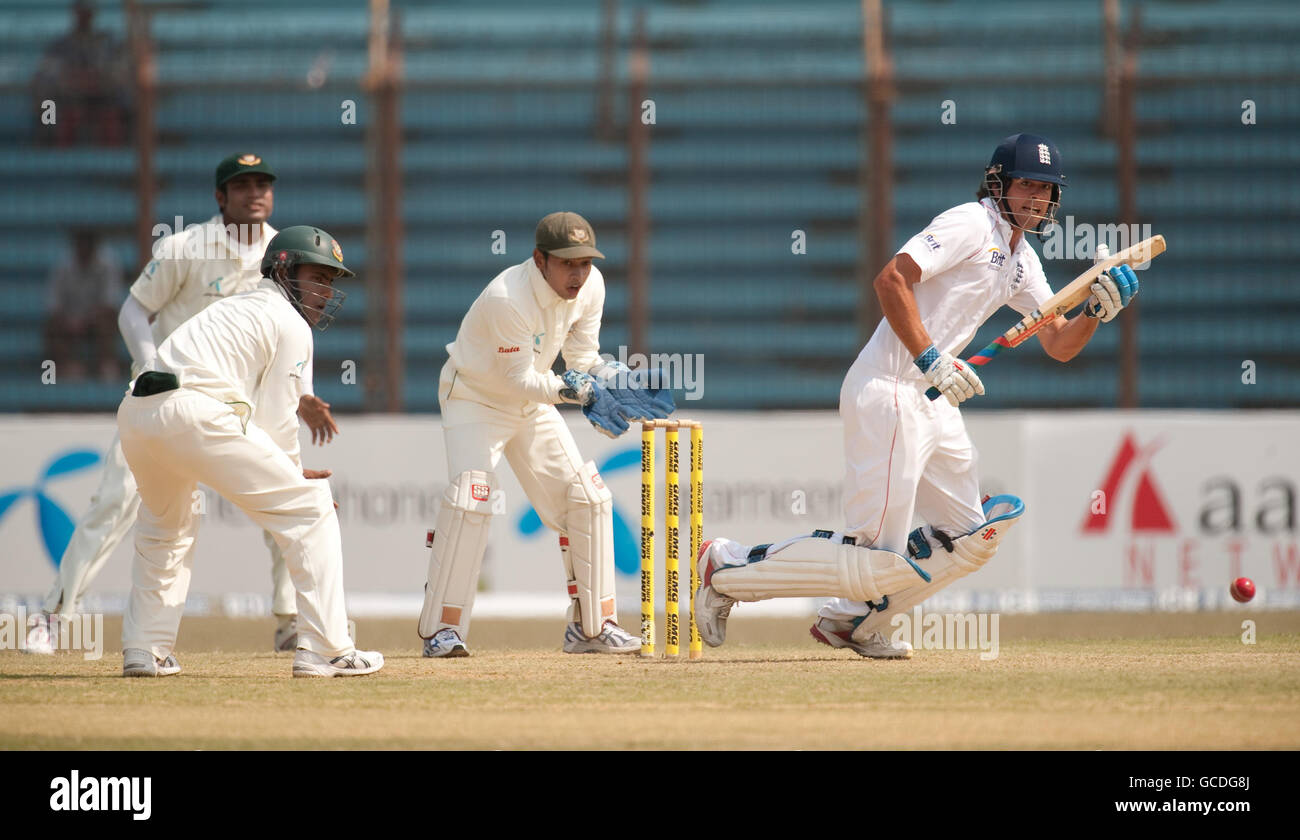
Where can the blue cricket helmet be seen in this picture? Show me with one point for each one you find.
(1030, 156)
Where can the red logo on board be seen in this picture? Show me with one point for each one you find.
(1150, 513)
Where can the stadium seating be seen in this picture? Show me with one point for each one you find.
(758, 133)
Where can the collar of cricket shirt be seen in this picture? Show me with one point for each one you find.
(542, 291)
(1001, 227)
(222, 235)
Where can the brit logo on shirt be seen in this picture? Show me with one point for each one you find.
(997, 258)
(931, 242)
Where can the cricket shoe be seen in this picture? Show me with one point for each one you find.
(611, 639)
(39, 639)
(712, 608)
(354, 664)
(445, 644)
(839, 634)
(138, 662)
(286, 635)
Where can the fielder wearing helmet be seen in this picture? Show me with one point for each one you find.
(1018, 178)
(305, 261)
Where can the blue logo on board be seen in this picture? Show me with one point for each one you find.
(55, 525)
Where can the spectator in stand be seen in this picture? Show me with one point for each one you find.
(85, 74)
(85, 294)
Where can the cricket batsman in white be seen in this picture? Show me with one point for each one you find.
(906, 455)
(498, 396)
(220, 408)
(190, 269)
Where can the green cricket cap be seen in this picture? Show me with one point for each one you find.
(242, 165)
(567, 236)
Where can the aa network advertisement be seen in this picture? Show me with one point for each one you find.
(1124, 511)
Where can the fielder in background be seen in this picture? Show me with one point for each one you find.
(190, 269)
(498, 395)
(906, 455)
(220, 408)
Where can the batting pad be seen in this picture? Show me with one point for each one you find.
(589, 525)
(822, 565)
(459, 542)
(969, 554)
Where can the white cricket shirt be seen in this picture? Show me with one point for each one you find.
(253, 349)
(194, 267)
(512, 334)
(968, 272)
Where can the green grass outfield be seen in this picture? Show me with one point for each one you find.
(1148, 681)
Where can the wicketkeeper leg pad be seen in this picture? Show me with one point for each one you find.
(824, 564)
(459, 542)
(589, 527)
(945, 560)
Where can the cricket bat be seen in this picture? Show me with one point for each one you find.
(1076, 292)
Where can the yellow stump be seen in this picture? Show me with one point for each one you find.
(672, 535)
(648, 539)
(697, 526)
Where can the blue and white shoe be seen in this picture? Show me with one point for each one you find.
(445, 644)
(612, 639)
(138, 662)
(354, 664)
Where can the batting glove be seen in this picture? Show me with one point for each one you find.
(1111, 292)
(951, 377)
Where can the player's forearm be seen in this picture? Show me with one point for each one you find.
(899, 307)
(582, 358)
(1069, 340)
(534, 385)
(133, 322)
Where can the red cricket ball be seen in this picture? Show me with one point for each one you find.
(1242, 589)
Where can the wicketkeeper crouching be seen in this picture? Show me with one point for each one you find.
(498, 396)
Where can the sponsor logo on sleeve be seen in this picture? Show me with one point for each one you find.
(931, 242)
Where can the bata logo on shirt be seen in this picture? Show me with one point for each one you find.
(480, 492)
(931, 242)
(507, 349)
(997, 259)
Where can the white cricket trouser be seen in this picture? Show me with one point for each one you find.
(112, 512)
(177, 439)
(538, 446)
(904, 455)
